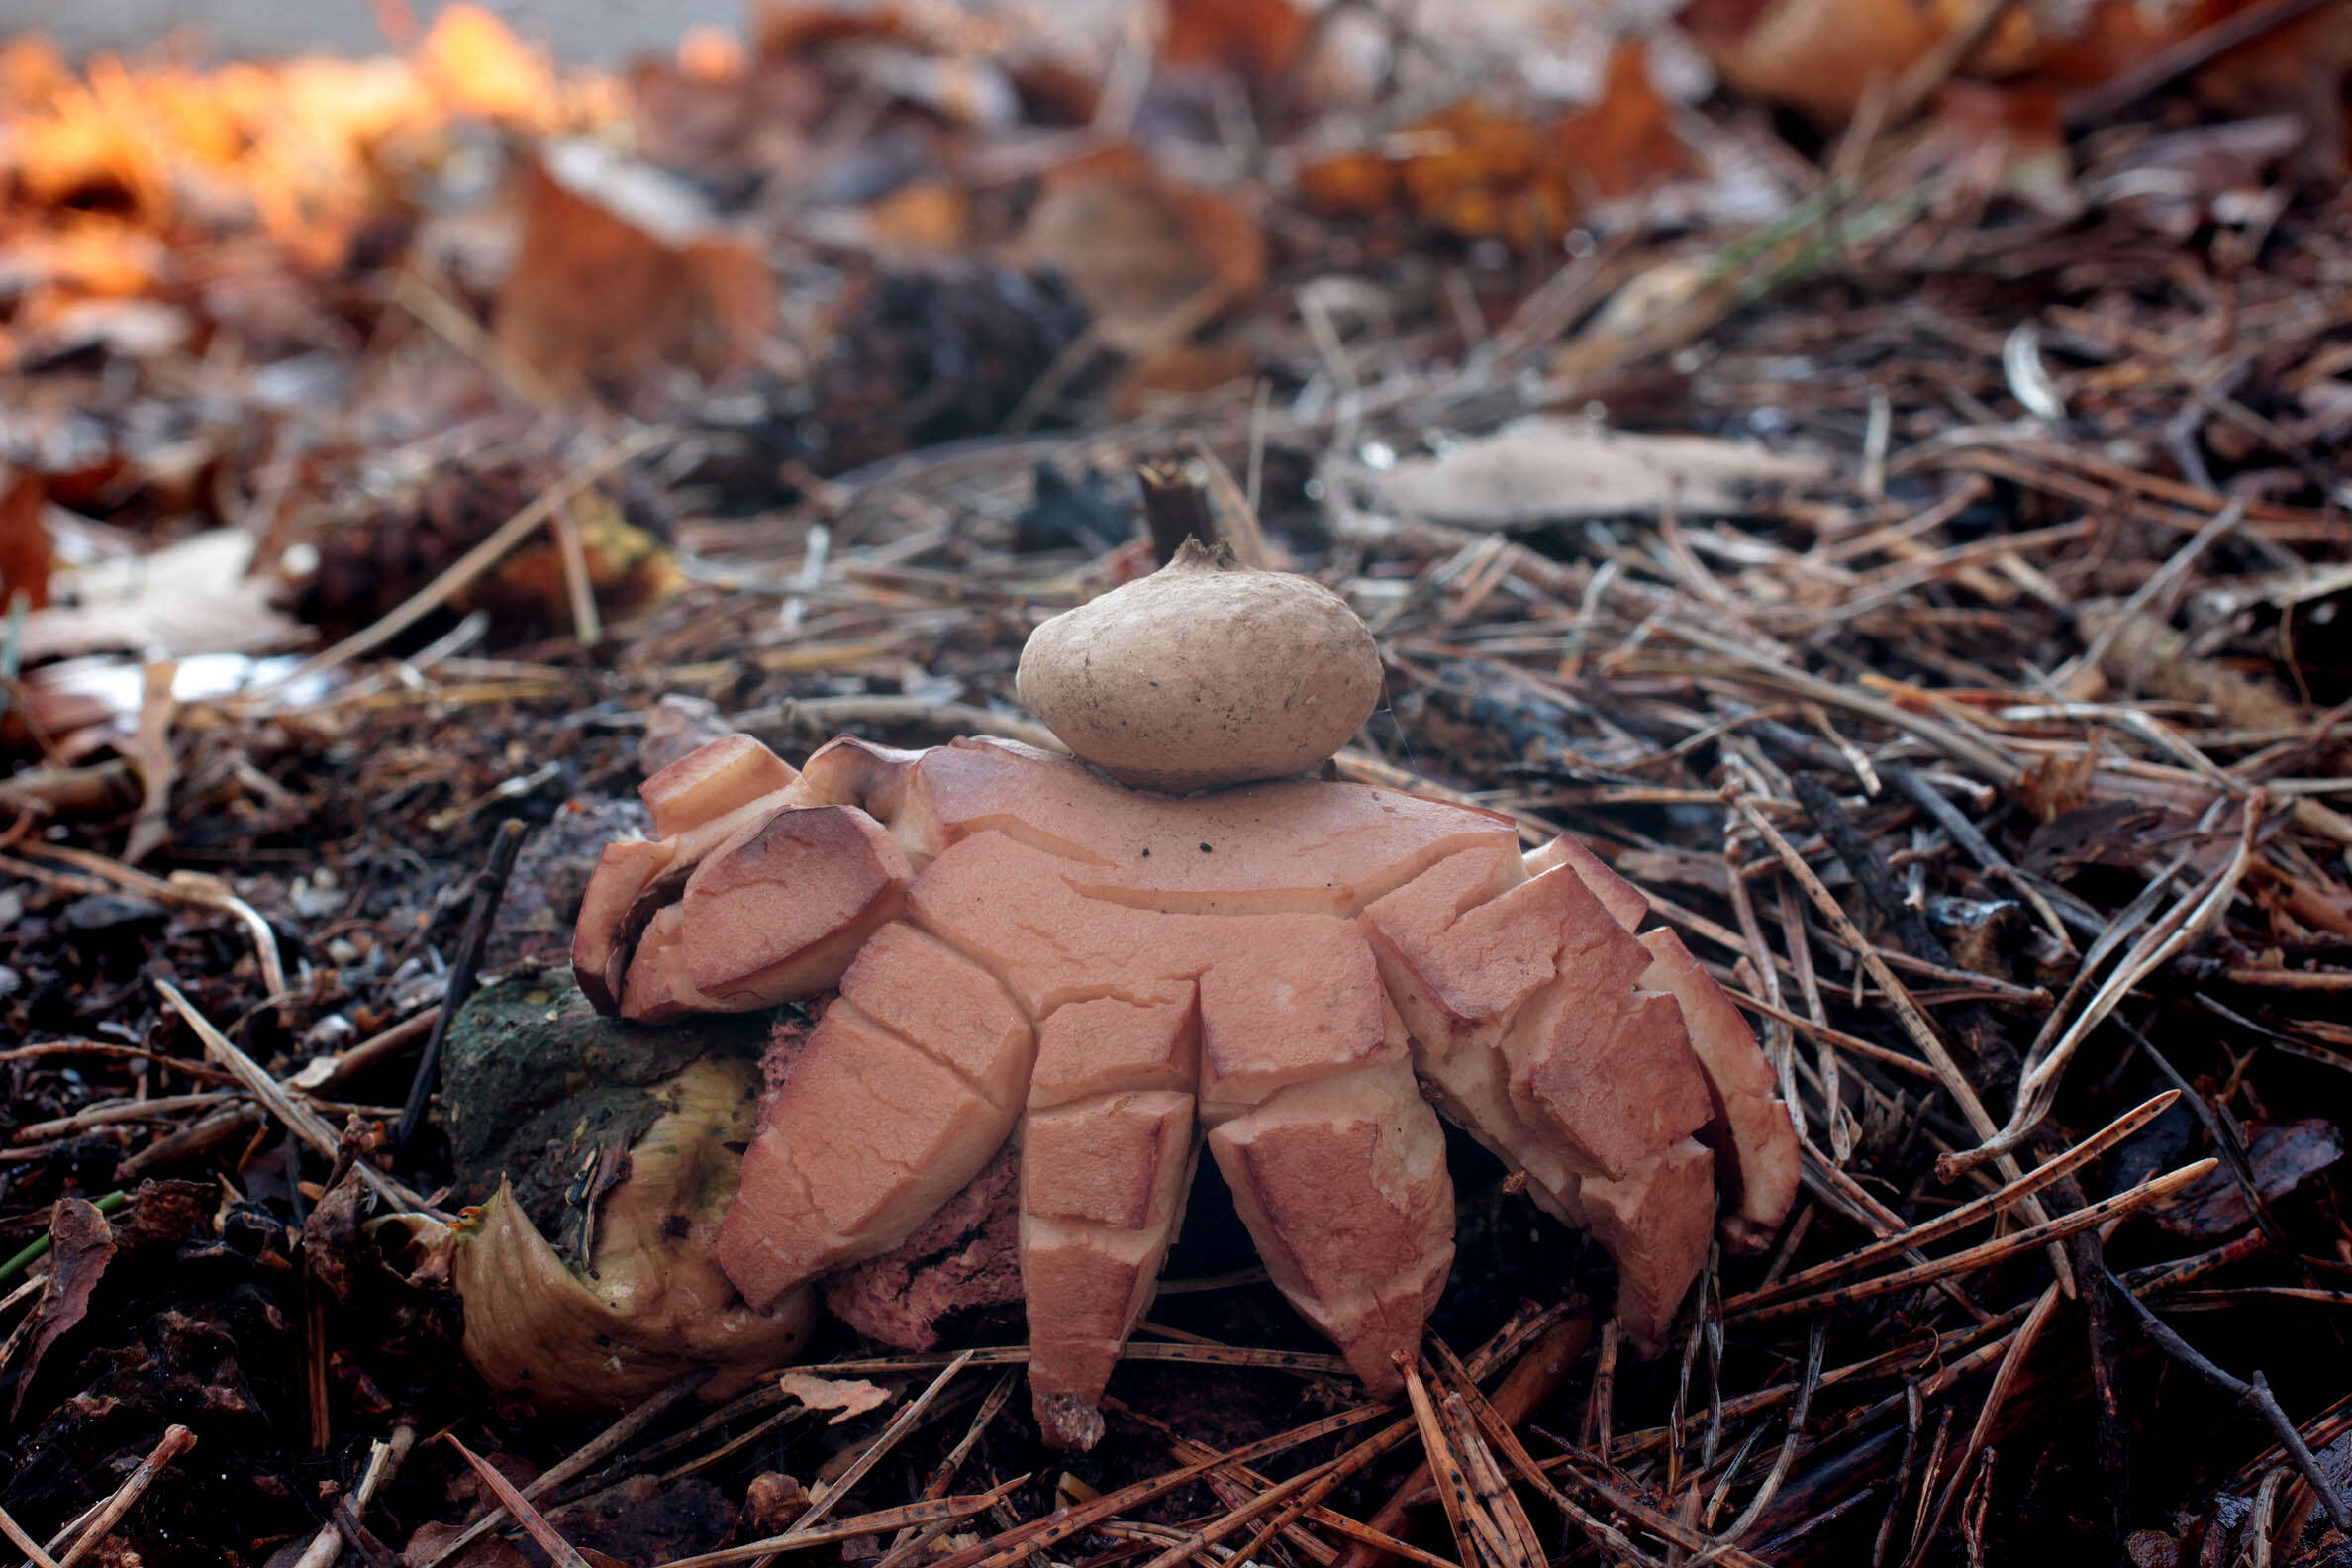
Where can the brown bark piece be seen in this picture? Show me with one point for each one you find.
(1757, 1164)
(711, 781)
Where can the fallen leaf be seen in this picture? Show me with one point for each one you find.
(848, 1397)
(1256, 39)
(772, 1501)
(1546, 468)
(1626, 142)
(928, 216)
(476, 66)
(598, 230)
(24, 549)
(191, 598)
(2057, 785)
(1185, 370)
(81, 1245)
(2282, 1154)
(1820, 56)
(1152, 258)
(1482, 174)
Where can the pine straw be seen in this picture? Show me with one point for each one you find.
(1995, 673)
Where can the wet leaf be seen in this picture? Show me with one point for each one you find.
(81, 1247)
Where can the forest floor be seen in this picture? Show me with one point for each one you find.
(1902, 529)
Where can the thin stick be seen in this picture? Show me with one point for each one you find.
(176, 1440)
(884, 1441)
(23, 1543)
(942, 1510)
(2003, 1381)
(304, 1122)
(2255, 1396)
(489, 889)
(578, 586)
(534, 1524)
(2177, 59)
(591, 1453)
(1906, 1011)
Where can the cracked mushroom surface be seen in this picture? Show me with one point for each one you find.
(1290, 973)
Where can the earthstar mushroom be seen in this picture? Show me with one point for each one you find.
(1289, 972)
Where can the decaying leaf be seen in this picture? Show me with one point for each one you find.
(1152, 258)
(475, 65)
(652, 1302)
(1820, 56)
(25, 553)
(1482, 172)
(844, 1396)
(81, 1247)
(1256, 39)
(1544, 468)
(2282, 1154)
(621, 268)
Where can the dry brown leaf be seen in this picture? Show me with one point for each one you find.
(1544, 468)
(25, 546)
(1483, 173)
(1488, 175)
(928, 216)
(189, 598)
(2057, 785)
(1256, 39)
(621, 269)
(845, 1396)
(1625, 142)
(1154, 259)
(82, 1244)
(1820, 55)
(1185, 370)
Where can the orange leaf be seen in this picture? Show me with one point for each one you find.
(928, 216)
(597, 293)
(1256, 39)
(24, 557)
(477, 66)
(1625, 142)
